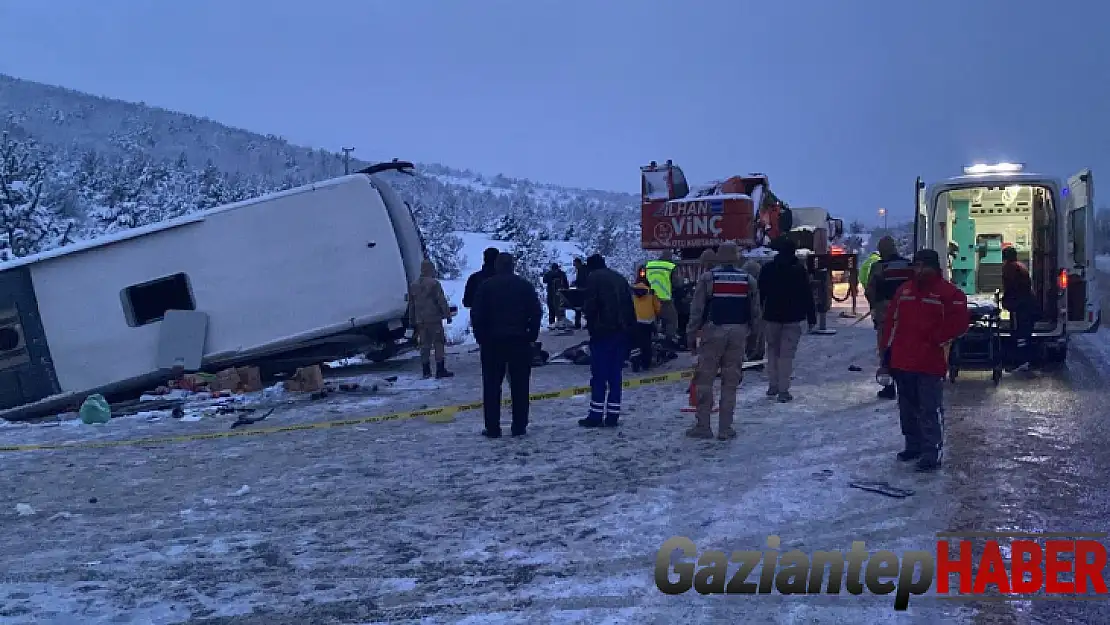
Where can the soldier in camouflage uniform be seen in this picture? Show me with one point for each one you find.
(726, 301)
(428, 309)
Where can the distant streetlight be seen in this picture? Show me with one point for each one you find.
(347, 160)
(882, 213)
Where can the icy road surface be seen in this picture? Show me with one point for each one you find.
(411, 522)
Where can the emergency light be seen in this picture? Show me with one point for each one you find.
(997, 168)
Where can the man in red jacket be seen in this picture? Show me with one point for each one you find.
(924, 317)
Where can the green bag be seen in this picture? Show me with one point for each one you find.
(95, 409)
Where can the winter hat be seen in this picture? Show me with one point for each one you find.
(928, 258)
(490, 255)
(887, 246)
(728, 254)
(597, 261)
(428, 269)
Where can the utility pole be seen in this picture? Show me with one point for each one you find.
(347, 160)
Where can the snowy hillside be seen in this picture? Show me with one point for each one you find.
(75, 166)
(473, 244)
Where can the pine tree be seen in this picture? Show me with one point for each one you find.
(27, 224)
(124, 199)
(212, 189)
(508, 229)
(441, 245)
(532, 256)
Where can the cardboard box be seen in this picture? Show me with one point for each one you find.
(226, 380)
(306, 380)
(250, 380)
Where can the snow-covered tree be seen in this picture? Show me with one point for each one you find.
(211, 188)
(532, 255)
(124, 199)
(509, 228)
(27, 224)
(442, 246)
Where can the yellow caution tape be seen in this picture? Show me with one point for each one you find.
(435, 414)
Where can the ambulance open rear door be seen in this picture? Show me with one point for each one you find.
(1078, 274)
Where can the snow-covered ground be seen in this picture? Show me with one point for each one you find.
(413, 522)
(474, 243)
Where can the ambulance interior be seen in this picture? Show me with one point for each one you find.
(979, 222)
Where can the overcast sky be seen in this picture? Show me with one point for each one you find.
(841, 102)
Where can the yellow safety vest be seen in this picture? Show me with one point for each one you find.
(659, 277)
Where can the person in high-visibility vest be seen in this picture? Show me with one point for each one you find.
(865, 268)
(661, 276)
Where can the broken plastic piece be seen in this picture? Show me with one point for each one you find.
(883, 488)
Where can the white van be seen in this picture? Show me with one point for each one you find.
(969, 219)
(303, 276)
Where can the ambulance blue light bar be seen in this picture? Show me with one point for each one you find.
(997, 168)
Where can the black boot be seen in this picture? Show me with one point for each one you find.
(441, 370)
(887, 392)
(929, 461)
(427, 371)
(911, 452)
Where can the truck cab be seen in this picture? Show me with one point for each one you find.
(968, 220)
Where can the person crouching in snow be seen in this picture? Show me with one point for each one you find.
(648, 309)
(428, 309)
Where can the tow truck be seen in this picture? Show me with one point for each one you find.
(743, 210)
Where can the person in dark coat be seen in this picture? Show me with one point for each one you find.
(787, 299)
(610, 319)
(506, 317)
(1017, 297)
(580, 274)
(478, 277)
(883, 280)
(555, 280)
